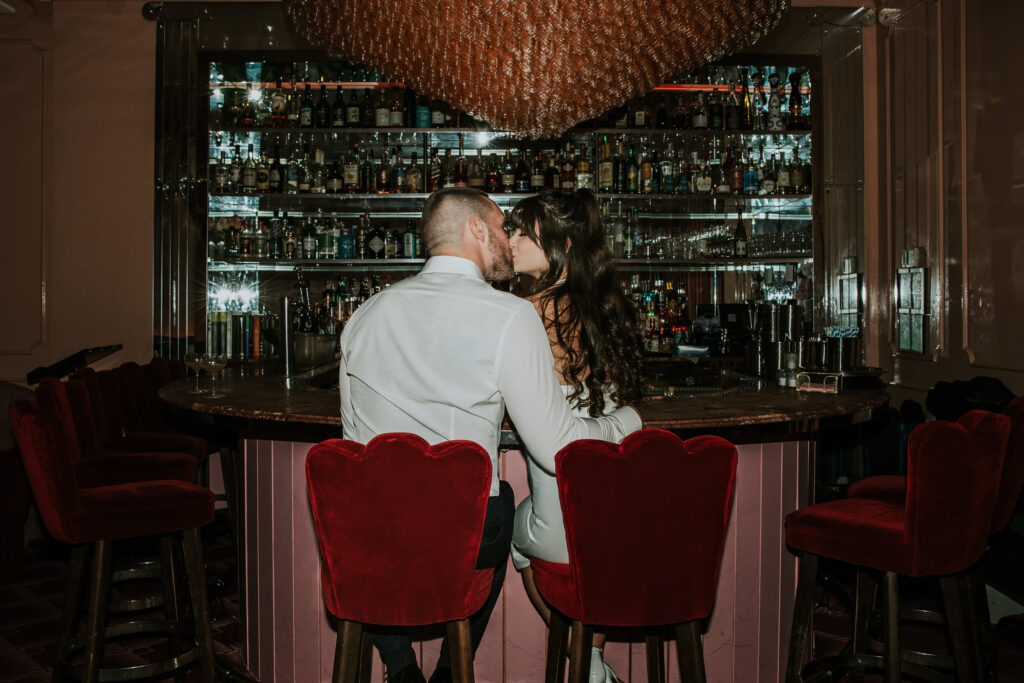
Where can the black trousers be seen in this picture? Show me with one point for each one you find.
(395, 645)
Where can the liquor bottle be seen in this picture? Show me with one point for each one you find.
(434, 179)
(584, 176)
(733, 110)
(751, 177)
(641, 114)
(322, 111)
(375, 242)
(702, 183)
(278, 106)
(492, 179)
(346, 244)
(721, 175)
(309, 240)
(398, 172)
(460, 174)
(618, 234)
(633, 241)
(367, 174)
(410, 241)
(352, 111)
(716, 114)
(620, 117)
(414, 176)
(306, 109)
(567, 177)
(758, 116)
(219, 173)
(275, 246)
(508, 174)
(447, 170)
(325, 248)
(247, 114)
(680, 117)
(605, 168)
(745, 111)
(699, 114)
(304, 170)
(619, 170)
(293, 105)
(262, 174)
(774, 123)
(522, 181)
(289, 242)
(382, 111)
(248, 174)
(768, 175)
(646, 172)
(661, 115)
(350, 172)
(316, 173)
(333, 174)
(632, 173)
(475, 172)
(783, 176)
(552, 173)
(682, 175)
(338, 109)
(366, 112)
(667, 164)
(422, 112)
(737, 173)
(383, 174)
(235, 172)
(359, 239)
(391, 242)
(740, 237)
(796, 118)
(291, 176)
(437, 114)
(245, 239)
(409, 108)
(396, 117)
(231, 237)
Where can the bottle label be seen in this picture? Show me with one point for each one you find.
(702, 184)
(585, 181)
(422, 117)
(396, 118)
(382, 118)
(604, 170)
(767, 186)
(437, 118)
(352, 116)
(306, 117)
(783, 179)
(640, 119)
(351, 174)
(376, 244)
(537, 180)
(409, 245)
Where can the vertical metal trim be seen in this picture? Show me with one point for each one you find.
(965, 301)
(941, 266)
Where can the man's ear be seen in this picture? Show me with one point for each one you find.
(477, 228)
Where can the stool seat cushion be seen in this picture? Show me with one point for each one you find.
(891, 488)
(122, 468)
(942, 524)
(144, 508)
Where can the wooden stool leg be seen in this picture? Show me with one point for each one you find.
(690, 651)
(347, 651)
(99, 594)
(72, 605)
(892, 628)
(655, 660)
(365, 658)
(558, 643)
(579, 652)
(192, 547)
(460, 646)
(956, 621)
(803, 612)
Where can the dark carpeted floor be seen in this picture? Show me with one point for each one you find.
(30, 612)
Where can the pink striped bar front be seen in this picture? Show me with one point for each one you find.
(288, 637)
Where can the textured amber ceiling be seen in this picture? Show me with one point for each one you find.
(535, 68)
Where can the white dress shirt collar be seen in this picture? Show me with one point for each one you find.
(452, 264)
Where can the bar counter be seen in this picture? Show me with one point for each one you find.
(287, 635)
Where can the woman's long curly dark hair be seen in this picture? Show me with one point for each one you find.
(589, 304)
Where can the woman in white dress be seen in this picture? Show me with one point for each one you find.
(559, 242)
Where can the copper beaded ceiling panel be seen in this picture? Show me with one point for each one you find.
(534, 67)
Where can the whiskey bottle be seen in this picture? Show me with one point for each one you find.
(350, 171)
(435, 179)
(248, 174)
(699, 114)
(740, 237)
(366, 112)
(322, 112)
(352, 111)
(367, 175)
(632, 173)
(796, 118)
(437, 114)
(383, 174)
(396, 117)
(278, 107)
(219, 173)
(304, 171)
(338, 109)
(716, 115)
(523, 175)
(306, 109)
(783, 177)
(492, 179)
(508, 174)
(245, 239)
(262, 174)
(289, 243)
(398, 172)
(584, 176)
(293, 105)
(316, 173)
(667, 165)
(567, 177)
(292, 172)
(235, 172)
(605, 168)
(332, 176)
(475, 172)
(382, 112)
(414, 176)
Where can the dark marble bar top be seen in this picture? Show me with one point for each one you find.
(263, 400)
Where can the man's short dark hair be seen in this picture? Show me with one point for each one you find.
(446, 211)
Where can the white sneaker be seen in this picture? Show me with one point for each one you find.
(600, 672)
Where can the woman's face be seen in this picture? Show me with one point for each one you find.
(527, 257)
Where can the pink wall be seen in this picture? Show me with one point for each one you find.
(78, 246)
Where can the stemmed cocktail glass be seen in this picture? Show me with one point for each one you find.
(213, 363)
(194, 361)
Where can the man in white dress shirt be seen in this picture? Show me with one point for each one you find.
(444, 355)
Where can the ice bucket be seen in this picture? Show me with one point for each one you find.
(314, 348)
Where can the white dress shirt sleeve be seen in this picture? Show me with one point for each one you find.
(345, 391)
(536, 403)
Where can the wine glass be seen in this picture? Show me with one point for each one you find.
(213, 363)
(194, 361)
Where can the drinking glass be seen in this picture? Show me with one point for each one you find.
(213, 363)
(195, 362)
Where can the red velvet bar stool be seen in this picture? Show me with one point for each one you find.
(893, 488)
(91, 519)
(658, 505)
(99, 465)
(414, 514)
(939, 530)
